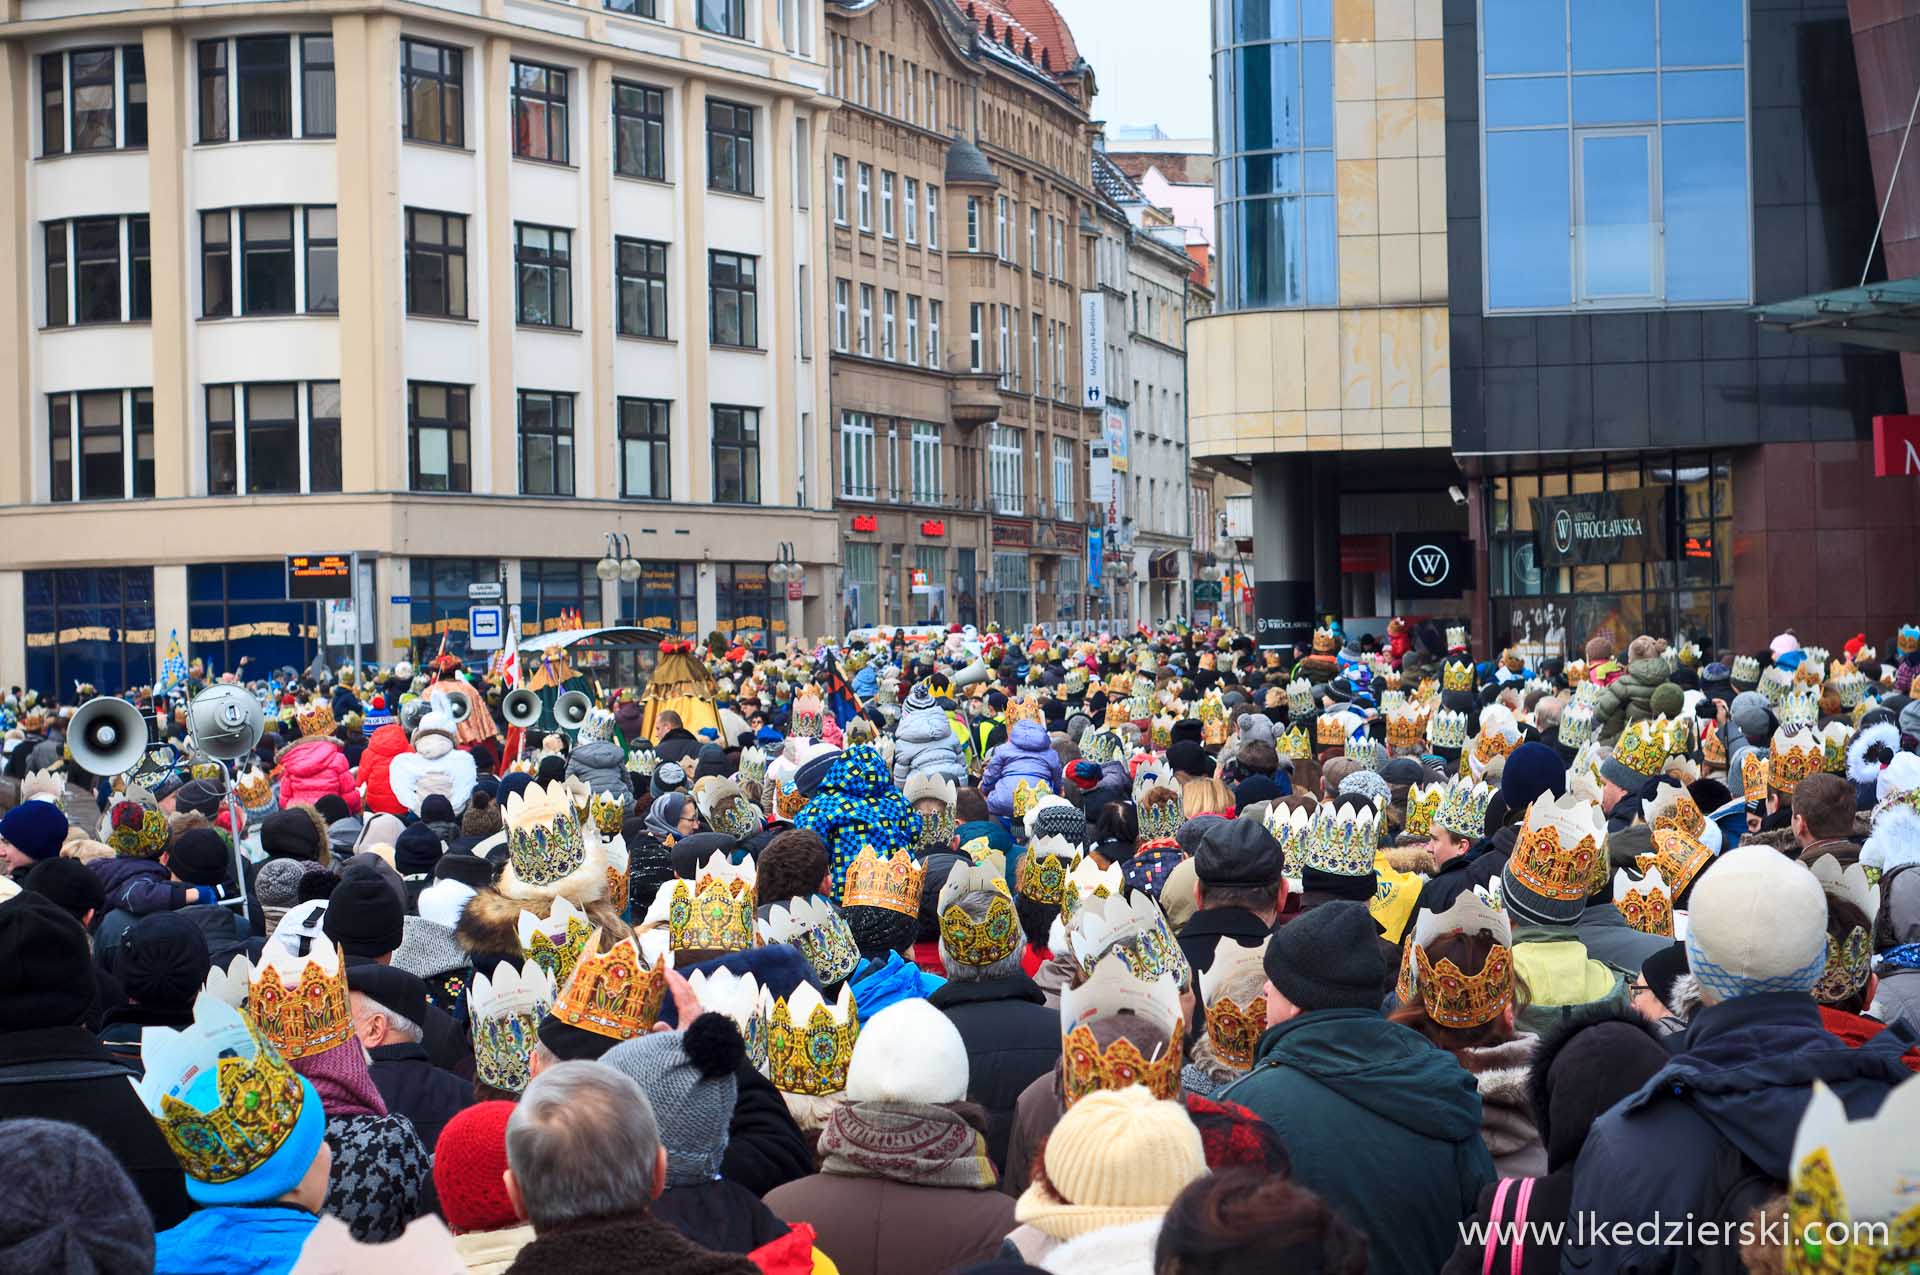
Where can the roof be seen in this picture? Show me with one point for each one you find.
(1883, 315)
(621, 635)
(1114, 184)
(1032, 30)
(965, 163)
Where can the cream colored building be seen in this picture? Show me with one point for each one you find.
(458, 288)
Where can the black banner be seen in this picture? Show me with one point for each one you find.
(1603, 527)
(1431, 564)
(1283, 613)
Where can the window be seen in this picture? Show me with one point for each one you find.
(839, 190)
(925, 463)
(1002, 241)
(139, 268)
(272, 446)
(1033, 240)
(724, 17)
(546, 443)
(1063, 480)
(888, 318)
(1059, 245)
(93, 78)
(641, 267)
(729, 147)
(96, 270)
(804, 312)
(1006, 350)
(973, 224)
(543, 262)
(912, 347)
(266, 260)
(643, 449)
(83, 280)
(259, 443)
(540, 112)
(936, 356)
(861, 605)
(1034, 365)
(213, 90)
(1616, 155)
(734, 308)
(100, 445)
(911, 216)
(976, 337)
(933, 217)
(433, 80)
(323, 260)
(437, 431)
(1004, 467)
(865, 197)
(736, 455)
(887, 227)
(263, 75)
(216, 263)
(842, 301)
(317, 95)
(636, 8)
(436, 264)
(323, 436)
(866, 320)
(53, 104)
(856, 456)
(639, 131)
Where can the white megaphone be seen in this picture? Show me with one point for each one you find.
(225, 721)
(571, 709)
(972, 673)
(108, 736)
(521, 707)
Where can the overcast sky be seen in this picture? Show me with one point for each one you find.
(1151, 65)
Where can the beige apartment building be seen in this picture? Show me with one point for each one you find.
(960, 244)
(474, 293)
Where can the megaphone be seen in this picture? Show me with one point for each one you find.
(571, 709)
(458, 707)
(225, 721)
(521, 708)
(411, 712)
(971, 674)
(108, 736)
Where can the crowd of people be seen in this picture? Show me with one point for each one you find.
(1149, 953)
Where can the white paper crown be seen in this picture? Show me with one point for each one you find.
(229, 986)
(528, 990)
(786, 922)
(1456, 636)
(1448, 729)
(930, 784)
(1850, 884)
(1112, 989)
(741, 998)
(1130, 927)
(1801, 707)
(1230, 958)
(1857, 1171)
(1089, 880)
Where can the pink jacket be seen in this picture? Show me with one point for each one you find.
(311, 769)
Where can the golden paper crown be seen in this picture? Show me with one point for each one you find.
(1456, 675)
(1423, 803)
(544, 841)
(810, 1042)
(614, 993)
(1753, 775)
(1644, 746)
(893, 883)
(1850, 1205)
(1449, 995)
(1025, 795)
(609, 814)
(1330, 730)
(790, 802)
(992, 938)
(505, 1011)
(1234, 1024)
(1561, 848)
(1024, 708)
(1463, 812)
(1041, 874)
(1112, 991)
(1646, 904)
(1673, 807)
(711, 913)
(314, 719)
(1406, 727)
(1295, 744)
(257, 1098)
(557, 941)
(300, 1003)
(1849, 960)
(253, 788)
(1796, 753)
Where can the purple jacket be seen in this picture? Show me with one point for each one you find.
(1027, 754)
(139, 885)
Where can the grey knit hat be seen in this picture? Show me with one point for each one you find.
(1365, 783)
(278, 886)
(51, 1166)
(689, 1078)
(919, 698)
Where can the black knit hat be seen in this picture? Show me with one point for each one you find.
(437, 808)
(200, 797)
(1328, 958)
(68, 882)
(290, 834)
(200, 856)
(364, 916)
(468, 869)
(46, 971)
(332, 807)
(163, 961)
(416, 850)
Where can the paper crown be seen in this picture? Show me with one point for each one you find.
(1801, 706)
(1366, 750)
(1849, 960)
(1024, 708)
(1089, 880)
(1561, 848)
(1449, 995)
(506, 1010)
(1796, 753)
(1102, 746)
(1343, 841)
(1775, 682)
(816, 927)
(807, 714)
(1130, 928)
(314, 719)
(1745, 670)
(790, 801)
(1299, 697)
(1111, 992)
(1160, 818)
(229, 986)
(643, 761)
(614, 993)
(1753, 775)
(1234, 1024)
(1463, 812)
(1162, 730)
(608, 813)
(1850, 685)
(711, 913)
(1423, 803)
(1448, 729)
(1672, 806)
(740, 998)
(893, 882)
(1290, 826)
(1850, 1202)
(1025, 796)
(1813, 663)
(242, 1123)
(810, 1042)
(1294, 744)
(1644, 746)
(1456, 636)
(300, 1003)
(1330, 730)
(1325, 641)
(597, 728)
(253, 789)
(1406, 726)
(544, 841)
(993, 937)
(928, 785)
(556, 941)
(1456, 675)
(1577, 724)
(1646, 904)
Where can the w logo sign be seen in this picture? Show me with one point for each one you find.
(1429, 566)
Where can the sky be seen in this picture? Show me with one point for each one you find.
(1150, 68)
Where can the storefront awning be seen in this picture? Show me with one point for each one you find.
(1883, 315)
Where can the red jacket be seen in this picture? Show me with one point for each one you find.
(1857, 1031)
(387, 743)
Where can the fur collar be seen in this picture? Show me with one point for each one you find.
(1502, 1067)
(1111, 1250)
(1414, 858)
(489, 925)
(1683, 1002)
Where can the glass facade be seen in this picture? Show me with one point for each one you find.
(1676, 580)
(1013, 590)
(1273, 116)
(89, 625)
(440, 601)
(238, 613)
(665, 597)
(741, 593)
(1615, 153)
(861, 605)
(554, 590)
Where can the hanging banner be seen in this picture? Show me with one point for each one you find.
(1099, 474)
(1283, 613)
(1602, 527)
(1093, 347)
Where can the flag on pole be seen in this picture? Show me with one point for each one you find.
(173, 669)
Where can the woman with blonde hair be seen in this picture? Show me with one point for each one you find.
(1206, 797)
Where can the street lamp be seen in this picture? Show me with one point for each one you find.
(618, 563)
(785, 566)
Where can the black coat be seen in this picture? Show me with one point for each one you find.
(720, 1215)
(765, 1148)
(427, 1095)
(1011, 1036)
(63, 1073)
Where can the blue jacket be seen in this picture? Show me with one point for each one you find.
(1028, 754)
(866, 682)
(234, 1240)
(1742, 1075)
(1380, 1123)
(878, 984)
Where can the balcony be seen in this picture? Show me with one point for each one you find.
(974, 399)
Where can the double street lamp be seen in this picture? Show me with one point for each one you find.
(618, 563)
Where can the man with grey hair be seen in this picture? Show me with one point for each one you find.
(1011, 1035)
(584, 1166)
(388, 1007)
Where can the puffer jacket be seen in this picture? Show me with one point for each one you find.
(1028, 754)
(1628, 700)
(375, 764)
(923, 744)
(602, 765)
(1507, 1122)
(311, 769)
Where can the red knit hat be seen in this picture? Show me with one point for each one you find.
(468, 1164)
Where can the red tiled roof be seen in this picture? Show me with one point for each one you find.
(1049, 29)
(1039, 34)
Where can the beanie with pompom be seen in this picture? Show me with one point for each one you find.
(688, 1076)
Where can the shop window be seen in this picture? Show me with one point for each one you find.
(554, 591)
(438, 587)
(238, 614)
(665, 597)
(91, 625)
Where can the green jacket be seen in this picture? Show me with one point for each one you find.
(1380, 1123)
(1627, 701)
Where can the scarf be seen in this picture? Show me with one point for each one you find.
(1904, 957)
(913, 1142)
(663, 817)
(341, 1078)
(857, 805)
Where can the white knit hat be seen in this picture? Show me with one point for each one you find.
(909, 1052)
(1757, 923)
(1117, 1156)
